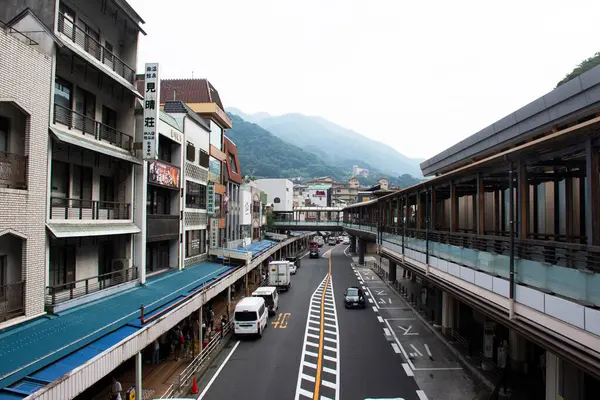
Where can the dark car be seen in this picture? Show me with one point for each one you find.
(313, 254)
(354, 297)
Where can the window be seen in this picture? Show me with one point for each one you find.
(68, 23)
(195, 196)
(276, 200)
(158, 201)
(63, 101)
(216, 135)
(195, 242)
(204, 159)
(107, 191)
(245, 316)
(164, 149)
(190, 152)
(232, 163)
(215, 169)
(82, 186)
(60, 182)
(108, 55)
(62, 265)
(4, 131)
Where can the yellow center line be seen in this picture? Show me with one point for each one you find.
(321, 335)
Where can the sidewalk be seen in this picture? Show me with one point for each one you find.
(521, 389)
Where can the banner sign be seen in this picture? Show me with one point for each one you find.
(163, 174)
(214, 233)
(210, 198)
(151, 107)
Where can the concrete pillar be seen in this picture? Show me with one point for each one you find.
(551, 376)
(362, 244)
(138, 375)
(447, 313)
(392, 271)
(439, 308)
(353, 244)
(517, 351)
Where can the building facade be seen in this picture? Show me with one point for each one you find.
(318, 195)
(280, 193)
(26, 61)
(233, 180)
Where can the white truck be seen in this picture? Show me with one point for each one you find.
(279, 275)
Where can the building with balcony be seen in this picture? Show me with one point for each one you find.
(318, 195)
(26, 63)
(233, 180)
(195, 182)
(159, 181)
(201, 97)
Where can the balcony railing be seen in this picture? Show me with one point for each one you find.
(91, 46)
(12, 300)
(163, 227)
(89, 126)
(64, 208)
(13, 171)
(71, 290)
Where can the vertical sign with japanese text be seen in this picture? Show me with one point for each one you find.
(210, 199)
(151, 107)
(214, 233)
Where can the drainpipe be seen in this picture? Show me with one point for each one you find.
(511, 217)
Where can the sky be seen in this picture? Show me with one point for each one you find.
(417, 75)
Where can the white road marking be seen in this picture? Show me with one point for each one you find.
(330, 339)
(407, 369)
(413, 354)
(312, 344)
(428, 351)
(380, 319)
(330, 325)
(218, 371)
(416, 350)
(330, 348)
(396, 348)
(370, 300)
(305, 393)
(329, 358)
(439, 369)
(309, 364)
(386, 332)
(328, 384)
(364, 288)
(312, 328)
(375, 309)
(312, 336)
(400, 345)
(310, 353)
(330, 370)
(421, 395)
(330, 332)
(308, 377)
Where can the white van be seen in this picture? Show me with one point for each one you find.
(250, 316)
(271, 297)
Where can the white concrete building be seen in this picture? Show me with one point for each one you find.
(318, 195)
(280, 193)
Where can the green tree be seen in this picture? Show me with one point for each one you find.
(585, 65)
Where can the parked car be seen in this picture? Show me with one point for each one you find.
(271, 297)
(292, 268)
(346, 240)
(354, 297)
(313, 254)
(332, 241)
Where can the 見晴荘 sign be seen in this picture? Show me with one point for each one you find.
(151, 107)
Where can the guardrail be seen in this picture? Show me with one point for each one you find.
(187, 374)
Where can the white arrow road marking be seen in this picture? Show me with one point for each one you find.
(407, 330)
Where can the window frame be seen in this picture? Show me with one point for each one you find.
(190, 155)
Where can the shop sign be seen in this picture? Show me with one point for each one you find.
(163, 174)
(210, 198)
(151, 106)
(320, 193)
(214, 233)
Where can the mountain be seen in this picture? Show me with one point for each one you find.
(262, 154)
(335, 144)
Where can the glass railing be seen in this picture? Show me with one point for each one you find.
(567, 270)
(308, 223)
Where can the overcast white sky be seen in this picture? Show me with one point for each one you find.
(417, 75)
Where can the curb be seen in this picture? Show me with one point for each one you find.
(461, 358)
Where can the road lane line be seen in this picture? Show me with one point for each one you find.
(312, 344)
(310, 353)
(310, 335)
(400, 345)
(218, 371)
(396, 348)
(330, 348)
(330, 325)
(309, 364)
(329, 358)
(370, 300)
(312, 328)
(322, 336)
(375, 309)
(386, 332)
(308, 378)
(380, 319)
(421, 395)
(407, 369)
(364, 288)
(328, 384)
(305, 393)
(330, 370)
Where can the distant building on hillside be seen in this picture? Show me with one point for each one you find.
(357, 171)
(384, 183)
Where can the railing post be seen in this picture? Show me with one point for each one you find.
(87, 286)
(142, 313)
(511, 213)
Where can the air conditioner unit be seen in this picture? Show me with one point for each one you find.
(119, 269)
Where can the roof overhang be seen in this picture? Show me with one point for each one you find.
(364, 203)
(63, 230)
(212, 110)
(78, 140)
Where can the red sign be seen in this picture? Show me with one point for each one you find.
(320, 193)
(163, 174)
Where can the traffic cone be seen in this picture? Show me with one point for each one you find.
(194, 386)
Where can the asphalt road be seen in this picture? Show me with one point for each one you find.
(352, 358)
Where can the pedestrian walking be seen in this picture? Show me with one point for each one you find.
(155, 352)
(115, 389)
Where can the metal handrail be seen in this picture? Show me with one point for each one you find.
(94, 48)
(87, 125)
(56, 294)
(184, 376)
(88, 209)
